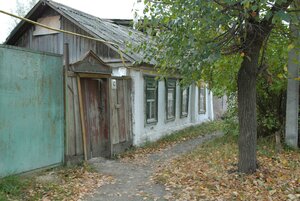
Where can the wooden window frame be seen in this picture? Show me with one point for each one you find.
(170, 84)
(155, 100)
(182, 114)
(201, 87)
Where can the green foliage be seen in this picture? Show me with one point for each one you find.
(271, 89)
(204, 39)
(192, 132)
(271, 85)
(12, 186)
(266, 145)
(230, 123)
(208, 40)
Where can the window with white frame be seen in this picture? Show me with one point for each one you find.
(184, 103)
(151, 99)
(170, 98)
(202, 99)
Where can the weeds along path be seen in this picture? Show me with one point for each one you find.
(133, 177)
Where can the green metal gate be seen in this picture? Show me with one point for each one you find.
(31, 110)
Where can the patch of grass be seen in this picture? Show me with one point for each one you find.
(193, 132)
(266, 146)
(289, 148)
(179, 136)
(13, 187)
(89, 168)
(3, 197)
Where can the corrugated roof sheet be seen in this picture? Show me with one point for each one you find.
(104, 29)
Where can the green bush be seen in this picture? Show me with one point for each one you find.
(230, 119)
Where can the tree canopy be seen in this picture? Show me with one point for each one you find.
(210, 34)
(225, 43)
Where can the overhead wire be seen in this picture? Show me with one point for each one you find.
(69, 32)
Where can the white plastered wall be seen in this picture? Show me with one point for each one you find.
(143, 132)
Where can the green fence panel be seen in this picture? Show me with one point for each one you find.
(31, 110)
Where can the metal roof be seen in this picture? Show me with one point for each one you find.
(104, 29)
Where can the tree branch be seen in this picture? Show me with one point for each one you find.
(277, 7)
(263, 67)
(294, 10)
(226, 7)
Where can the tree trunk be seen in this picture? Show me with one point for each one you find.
(256, 34)
(247, 111)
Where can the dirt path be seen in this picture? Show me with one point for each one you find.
(133, 181)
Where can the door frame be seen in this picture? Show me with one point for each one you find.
(82, 113)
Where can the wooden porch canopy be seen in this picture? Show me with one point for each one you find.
(91, 66)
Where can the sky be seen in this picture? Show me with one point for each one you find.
(115, 9)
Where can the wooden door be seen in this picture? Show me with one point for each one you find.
(121, 128)
(95, 101)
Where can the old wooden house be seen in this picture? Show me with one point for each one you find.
(110, 104)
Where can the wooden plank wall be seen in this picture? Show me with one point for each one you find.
(47, 43)
(79, 46)
(52, 43)
(74, 146)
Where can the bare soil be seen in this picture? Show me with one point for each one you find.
(133, 180)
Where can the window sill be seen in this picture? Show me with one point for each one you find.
(184, 116)
(170, 120)
(152, 123)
